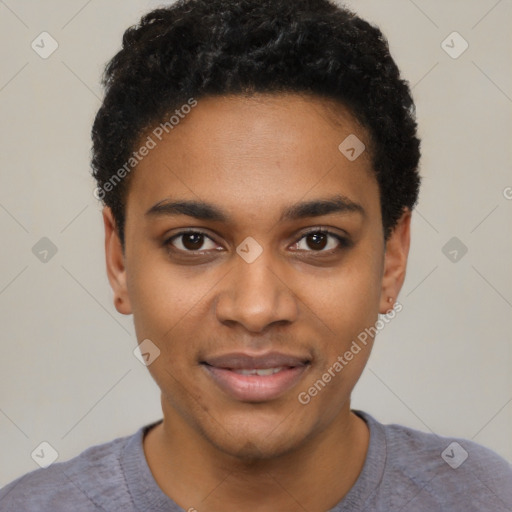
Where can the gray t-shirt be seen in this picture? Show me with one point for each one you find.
(405, 470)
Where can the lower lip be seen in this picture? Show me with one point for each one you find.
(255, 388)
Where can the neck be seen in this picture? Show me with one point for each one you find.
(196, 474)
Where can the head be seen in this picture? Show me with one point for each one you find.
(279, 135)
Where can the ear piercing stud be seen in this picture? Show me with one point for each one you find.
(390, 299)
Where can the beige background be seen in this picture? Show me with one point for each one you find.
(68, 375)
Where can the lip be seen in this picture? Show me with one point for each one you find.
(255, 388)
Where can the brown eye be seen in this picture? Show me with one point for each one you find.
(193, 241)
(189, 241)
(316, 241)
(320, 240)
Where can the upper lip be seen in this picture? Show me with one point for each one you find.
(241, 360)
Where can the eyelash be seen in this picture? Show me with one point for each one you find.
(343, 242)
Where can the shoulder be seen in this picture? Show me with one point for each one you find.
(79, 484)
(448, 473)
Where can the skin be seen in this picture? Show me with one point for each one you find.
(254, 157)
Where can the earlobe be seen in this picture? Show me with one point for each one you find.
(395, 262)
(115, 262)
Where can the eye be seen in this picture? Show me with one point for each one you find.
(189, 241)
(317, 240)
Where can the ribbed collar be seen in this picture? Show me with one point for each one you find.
(147, 495)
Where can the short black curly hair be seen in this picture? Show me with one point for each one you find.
(197, 48)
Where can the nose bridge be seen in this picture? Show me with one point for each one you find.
(254, 295)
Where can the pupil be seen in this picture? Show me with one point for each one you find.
(193, 241)
(317, 237)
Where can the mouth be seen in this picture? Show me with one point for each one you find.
(259, 378)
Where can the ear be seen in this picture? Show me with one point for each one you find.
(395, 262)
(116, 271)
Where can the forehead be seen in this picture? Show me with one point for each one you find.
(248, 152)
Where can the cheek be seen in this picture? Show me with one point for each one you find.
(344, 311)
(171, 307)
(346, 301)
(158, 302)
(348, 308)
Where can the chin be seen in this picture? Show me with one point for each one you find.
(253, 439)
(256, 448)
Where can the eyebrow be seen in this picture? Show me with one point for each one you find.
(207, 211)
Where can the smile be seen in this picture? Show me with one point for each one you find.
(255, 379)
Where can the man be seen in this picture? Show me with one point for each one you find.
(258, 165)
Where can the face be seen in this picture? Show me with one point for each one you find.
(261, 278)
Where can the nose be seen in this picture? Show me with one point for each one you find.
(256, 295)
